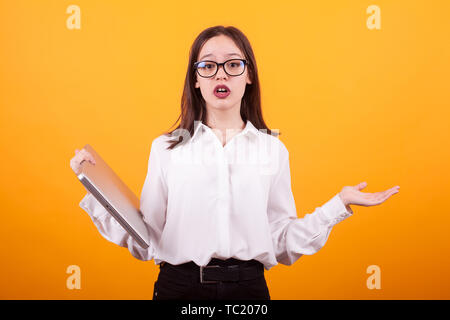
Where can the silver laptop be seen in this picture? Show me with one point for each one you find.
(115, 196)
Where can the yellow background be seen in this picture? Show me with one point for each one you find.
(352, 104)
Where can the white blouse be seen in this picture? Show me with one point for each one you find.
(203, 200)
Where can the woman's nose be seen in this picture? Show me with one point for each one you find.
(221, 73)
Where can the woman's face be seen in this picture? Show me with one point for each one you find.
(219, 49)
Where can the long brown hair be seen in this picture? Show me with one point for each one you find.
(193, 107)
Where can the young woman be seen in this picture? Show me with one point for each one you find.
(217, 197)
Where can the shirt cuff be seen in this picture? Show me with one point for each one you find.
(93, 207)
(335, 211)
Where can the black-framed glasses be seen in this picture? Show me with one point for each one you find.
(232, 67)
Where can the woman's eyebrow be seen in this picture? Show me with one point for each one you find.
(227, 55)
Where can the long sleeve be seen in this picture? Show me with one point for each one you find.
(292, 236)
(153, 203)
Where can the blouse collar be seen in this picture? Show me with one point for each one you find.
(249, 128)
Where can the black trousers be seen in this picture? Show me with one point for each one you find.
(230, 279)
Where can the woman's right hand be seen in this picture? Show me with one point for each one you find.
(80, 156)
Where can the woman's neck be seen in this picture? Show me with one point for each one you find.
(225, 127)
(223, 120)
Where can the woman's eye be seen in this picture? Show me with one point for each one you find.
(204, 65)
(234, 64)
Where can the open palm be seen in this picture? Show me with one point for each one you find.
(353, 195)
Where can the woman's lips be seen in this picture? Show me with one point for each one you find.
(223, 94)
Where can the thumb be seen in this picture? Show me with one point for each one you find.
(361, 185)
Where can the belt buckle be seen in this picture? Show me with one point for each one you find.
(201, 274)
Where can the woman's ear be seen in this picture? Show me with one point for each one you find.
(197, 84)
(248, 80)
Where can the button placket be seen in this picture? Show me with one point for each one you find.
(223, 203)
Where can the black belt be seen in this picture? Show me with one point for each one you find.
(222, 270)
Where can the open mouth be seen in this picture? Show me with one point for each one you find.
(221, 91)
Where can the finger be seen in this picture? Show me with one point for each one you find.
(395, 191)
(383, 196)
(81, 153)
(378, 197)
(389, 194)
(87, 156)
(361, 185)
(396, 188)
(91, 158)
(386, 193)
(82, 156)
(76, 151)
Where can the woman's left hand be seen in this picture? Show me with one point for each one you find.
(353, 195)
